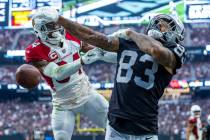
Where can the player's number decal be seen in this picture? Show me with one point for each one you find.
(149, 72)
(179, 50)
(126, 66)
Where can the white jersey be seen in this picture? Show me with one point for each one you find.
(196, 133)
(69, 92)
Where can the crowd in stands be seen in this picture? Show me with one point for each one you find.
(23, 117)
(19, 117)
(100, 72)
(194, 71)
(7, 74)
(195, 35)
(105, 72)
(16, 39)
(172, 116)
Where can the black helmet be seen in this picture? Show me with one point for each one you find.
(176, 27)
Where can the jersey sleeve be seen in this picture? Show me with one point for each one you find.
(179, 53)
(71, 37)
(31, 54)
(205, 129)
(192, 120)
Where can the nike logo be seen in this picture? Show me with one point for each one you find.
(148, 138)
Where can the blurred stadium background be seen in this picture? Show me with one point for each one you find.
(25, 115)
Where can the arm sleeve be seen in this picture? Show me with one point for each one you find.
(61, 72)
(179, 53)
(71, 37)
(110, 57)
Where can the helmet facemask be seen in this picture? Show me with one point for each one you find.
(172, 30)
(49, 33)
(195, 111)
(197, 114)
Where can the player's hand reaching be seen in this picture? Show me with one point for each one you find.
(110, 57)
(155, 34)
(122, 33)
(48, 13)
(92, 56)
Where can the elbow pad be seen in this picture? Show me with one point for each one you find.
(61, 72)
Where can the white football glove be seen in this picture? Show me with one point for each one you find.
(122, 33)
(92, 56)
(48, 13)
(155, 34)
(110, 57)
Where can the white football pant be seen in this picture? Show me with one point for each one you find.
(112, 134)
(63, 121)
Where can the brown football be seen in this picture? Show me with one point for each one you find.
(28, 76)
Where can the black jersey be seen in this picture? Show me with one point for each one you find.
(139, 83)
(207, 132)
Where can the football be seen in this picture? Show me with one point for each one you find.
(28, 76)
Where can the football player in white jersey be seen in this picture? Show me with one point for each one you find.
(56, 54)
(194, 124)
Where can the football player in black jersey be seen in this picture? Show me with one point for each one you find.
(145, 66)
(206, 131)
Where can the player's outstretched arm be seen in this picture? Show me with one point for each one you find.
(53, 70)
(153, 47)
(81, 32)
(109, 57)
(88, 35)
(85, 47)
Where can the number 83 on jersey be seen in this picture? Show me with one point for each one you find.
(127, 66)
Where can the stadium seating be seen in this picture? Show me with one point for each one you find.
(104, 72)
(195, 35)
(16, 116)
